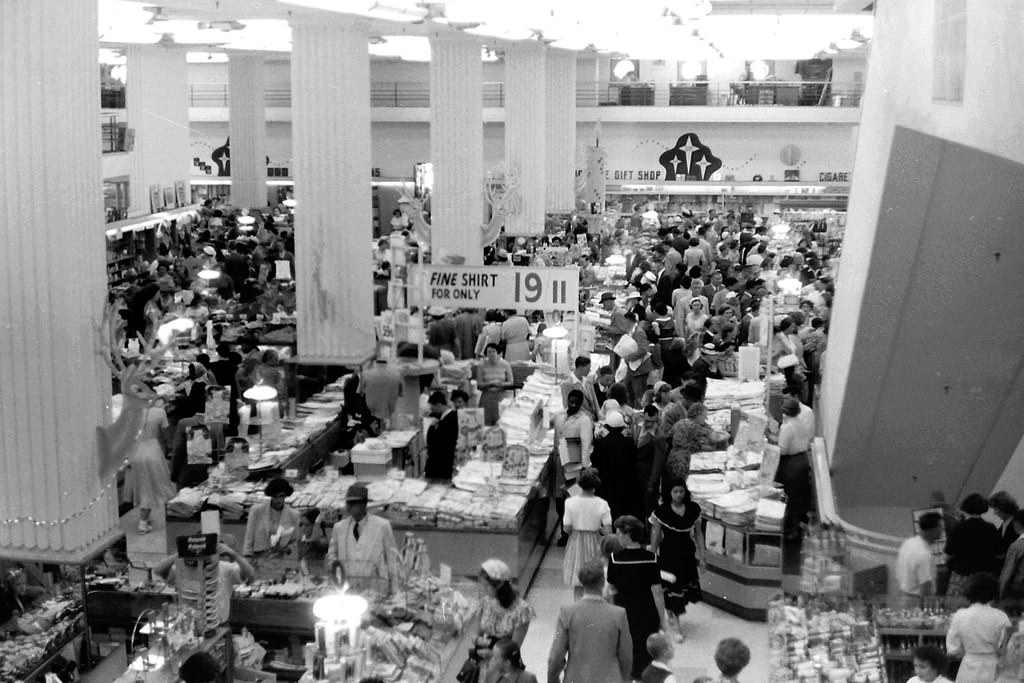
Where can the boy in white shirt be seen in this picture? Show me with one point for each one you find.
(929, 663)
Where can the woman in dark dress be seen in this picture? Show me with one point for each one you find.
(634, 576)
(972, 546)
(675, 537)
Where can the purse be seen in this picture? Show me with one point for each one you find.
(470, 671)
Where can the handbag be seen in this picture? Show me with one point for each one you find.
(470, 671)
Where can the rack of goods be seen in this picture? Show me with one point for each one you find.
(823, 641)
(901, 629)
(43, 634)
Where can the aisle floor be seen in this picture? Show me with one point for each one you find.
(704, 626)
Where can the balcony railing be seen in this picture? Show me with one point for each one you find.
(663, 94)
(112, 97)
(113, 134)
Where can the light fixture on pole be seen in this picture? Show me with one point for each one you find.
(245, 222)
(555, 333)
(259, 394)
(340, 616)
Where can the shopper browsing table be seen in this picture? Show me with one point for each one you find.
(273, 529)
(503, 613)
(915, 564)
(493, 377)
(978, 632)
(232, 570)
(794, 472)
(363, 546)
(442, 438)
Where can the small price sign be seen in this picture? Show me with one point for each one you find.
(546, 289)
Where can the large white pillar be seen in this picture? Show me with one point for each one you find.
(52, 273)
(456, 147)
(333, 219)
(247, 129)
(156, 95)
(560, 133)
(524, 132)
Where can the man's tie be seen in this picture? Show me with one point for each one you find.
(355, 530)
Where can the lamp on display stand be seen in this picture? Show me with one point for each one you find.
(261, 395)
(245, 221)
(790, 289)
(337, 653)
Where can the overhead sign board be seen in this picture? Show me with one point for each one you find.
(546, 289)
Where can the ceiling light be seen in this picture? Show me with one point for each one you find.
(205, 57)
(759, 70)
(847, 44)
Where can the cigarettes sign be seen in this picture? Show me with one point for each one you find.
(546, 289)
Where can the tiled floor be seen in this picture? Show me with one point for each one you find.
(704, 627)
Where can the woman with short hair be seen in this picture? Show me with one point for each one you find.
(972, 546)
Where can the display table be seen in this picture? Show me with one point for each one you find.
(218, 644)
(738, 580)
(26, 658)
(463, 549)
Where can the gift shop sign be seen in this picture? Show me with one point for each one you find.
(546, 289)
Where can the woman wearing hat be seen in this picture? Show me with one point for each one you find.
(503, 613)
(690, 435)
(272, 530)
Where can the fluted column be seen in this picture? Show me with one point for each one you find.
(52, 273)
(156, 95)
(524, 132)
(456, 147)
(247, 129)
(560, 133)
(333, 219)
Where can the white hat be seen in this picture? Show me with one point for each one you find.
(210, 251)
(615, 420)
(436, 312)
(496, 570)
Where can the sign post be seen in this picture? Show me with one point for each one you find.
(545, 289)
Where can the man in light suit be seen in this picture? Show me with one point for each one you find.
(592, 642)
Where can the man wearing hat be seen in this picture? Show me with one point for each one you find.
(441, 333)
(363, 546)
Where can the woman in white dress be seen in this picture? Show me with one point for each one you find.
(148, 482)
(587, 518)
(978, 632)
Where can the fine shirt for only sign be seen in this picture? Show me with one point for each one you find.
(546, 289)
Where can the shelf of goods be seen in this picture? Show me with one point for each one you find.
(902, 629)
(483, 514)
(818, 640)
(418, 634)
(157, 669)
(742, 507)
(25, 658)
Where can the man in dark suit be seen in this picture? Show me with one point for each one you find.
(1004, 506)
(592, 642)
(442, 437)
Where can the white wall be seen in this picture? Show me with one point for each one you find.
(899, 92)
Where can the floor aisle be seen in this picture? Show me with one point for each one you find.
(704, 626)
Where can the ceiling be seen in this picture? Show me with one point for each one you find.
(651, 29)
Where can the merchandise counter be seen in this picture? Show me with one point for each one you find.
(463, 545)
(743, 573)
(26, 658)
(218, 644)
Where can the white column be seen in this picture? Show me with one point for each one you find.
(456, 147)
(560, 148)
(247, 129)
(156, 105)
(55, 385)
(524, 132)
(333, 219)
